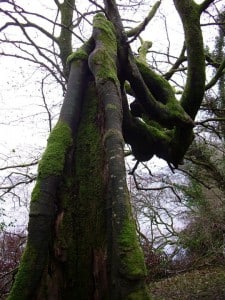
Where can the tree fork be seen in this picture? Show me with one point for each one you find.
(43, 207)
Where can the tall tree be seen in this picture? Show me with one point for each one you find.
(204, 236)
(81, 235)
(219, 55)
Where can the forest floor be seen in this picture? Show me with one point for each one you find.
(207, 284)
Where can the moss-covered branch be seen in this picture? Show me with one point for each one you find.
(65, 37)
(143, 50)
(168, 115)
(44, 202)
(42, 212)
(145, 139)
(77, 84)
(156, 98)
(127, 263)
(193, 93)
(194, 90)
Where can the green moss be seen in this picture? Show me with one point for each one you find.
(106, 66)
(177, 110)
(147, 140)
(128, 88)
(143, 50)
(21, 287)
(163, 92)
(158, 134)
(141, 294)
(82, 228)
(90, 200)
(111, 106)
(151, 131)
(132, 259)
(36, 191)
(89, 140)
(105, 56)
(158, 86)
(52, 162)
(80, 54)
(107, 29)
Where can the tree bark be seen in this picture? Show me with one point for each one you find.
(82, 241)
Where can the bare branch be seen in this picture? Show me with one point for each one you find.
(19, 166)
(219, 73)
(195, 84)
(46, 105)
(210, 120)
(182, 58)
(163, 187)
(135, 32)
(205, 4)
(48, 68)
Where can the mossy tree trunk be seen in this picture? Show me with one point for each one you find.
(81, 236)
(82, 240)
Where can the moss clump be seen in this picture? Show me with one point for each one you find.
(53, 159)
(158, 86)
(177, 111)
(80, 54)
(132, 259)
(106, 66)
(147, 140)
(52, 162)
(104, 57)
(143, 50)
(150, 131)
(36, 191)
(108, 33)
(163, 92)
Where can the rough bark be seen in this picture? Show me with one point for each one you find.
(65, 38)
(44, 203)
(82, 240)
(127, 269)
(193, 93)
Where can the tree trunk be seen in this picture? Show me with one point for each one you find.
(82, 240)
